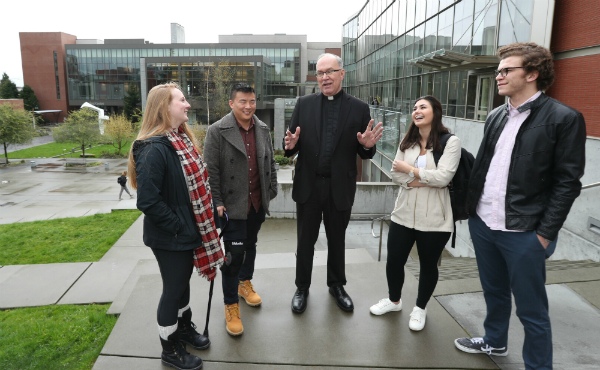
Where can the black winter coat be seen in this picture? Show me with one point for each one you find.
(546, 164)
(163, 196)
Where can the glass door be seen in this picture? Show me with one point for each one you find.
(485, 86)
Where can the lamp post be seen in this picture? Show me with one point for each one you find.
(33, 114)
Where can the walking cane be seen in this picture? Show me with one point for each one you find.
(212, 282)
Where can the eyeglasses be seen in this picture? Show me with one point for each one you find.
(504, 71)
(328, 73)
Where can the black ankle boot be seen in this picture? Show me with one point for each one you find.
(175, 355)
(188, 334)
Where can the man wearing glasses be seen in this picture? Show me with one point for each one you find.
(328, 129)
(524, 181)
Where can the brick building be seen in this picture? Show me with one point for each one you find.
(44, 69)
(576, 48)
(15, 103)
(65, 71)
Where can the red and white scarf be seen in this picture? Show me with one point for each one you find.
(209, 255)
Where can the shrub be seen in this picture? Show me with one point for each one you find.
(114, 155)
(282, 160)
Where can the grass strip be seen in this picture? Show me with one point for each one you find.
(52, 149)
(77, 239)
(53, 337)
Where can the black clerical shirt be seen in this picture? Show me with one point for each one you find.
(330, 117)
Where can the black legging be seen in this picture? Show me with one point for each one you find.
(430, 245)
(175, 270)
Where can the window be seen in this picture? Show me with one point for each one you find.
(56, 76)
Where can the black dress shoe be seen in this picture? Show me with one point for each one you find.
(342, 298)
(299, 301)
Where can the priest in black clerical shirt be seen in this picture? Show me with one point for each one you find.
(328, 129)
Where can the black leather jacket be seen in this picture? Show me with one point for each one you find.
(163, 196)
(546, 164)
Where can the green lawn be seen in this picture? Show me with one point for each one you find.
(53, 337)
(52, 149)
(78, 239)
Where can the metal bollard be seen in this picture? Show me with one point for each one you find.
(32, 164)
(106, 166)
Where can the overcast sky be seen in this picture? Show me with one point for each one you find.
(203, 21)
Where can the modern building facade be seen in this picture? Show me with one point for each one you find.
(101, 71)
(395, 51)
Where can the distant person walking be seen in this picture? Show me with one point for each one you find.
(174, 194)
(122, 180)
(423, 212)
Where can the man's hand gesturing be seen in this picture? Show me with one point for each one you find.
(291, 139)
(371, 135)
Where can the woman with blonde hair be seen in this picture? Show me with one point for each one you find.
(174, 194)
(422, 213)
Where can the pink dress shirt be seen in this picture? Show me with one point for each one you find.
(491, 206)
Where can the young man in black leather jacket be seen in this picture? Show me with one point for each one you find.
(524, 182)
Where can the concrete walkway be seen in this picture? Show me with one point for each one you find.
(324, 337)
(35, 142)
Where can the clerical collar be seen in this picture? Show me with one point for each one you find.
(334, 96)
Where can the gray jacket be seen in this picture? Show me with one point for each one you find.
(227, 163)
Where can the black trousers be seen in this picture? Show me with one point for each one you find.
(252, 226)
(175, 270)
(430, 245)
(320, 206)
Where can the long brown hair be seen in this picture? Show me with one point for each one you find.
(157, 121)
(413, 137)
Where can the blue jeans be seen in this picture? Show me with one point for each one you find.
(514, 261)
(252, 227)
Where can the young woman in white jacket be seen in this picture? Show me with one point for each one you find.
(422, 213)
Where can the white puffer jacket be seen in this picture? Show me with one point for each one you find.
(427, 208)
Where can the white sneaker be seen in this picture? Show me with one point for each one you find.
(385, 306)
(417, 319)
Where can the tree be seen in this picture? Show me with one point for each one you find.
(15, 127)
(8, 89)
(29, 99)
(80, 127)
(120, 130)
(222, 77)
(131, 101)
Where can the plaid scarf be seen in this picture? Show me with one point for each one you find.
(209, 255)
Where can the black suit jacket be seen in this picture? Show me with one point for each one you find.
(354, 118)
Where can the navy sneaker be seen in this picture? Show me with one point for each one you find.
(477, 345)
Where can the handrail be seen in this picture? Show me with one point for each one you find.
(381, 220)
(590, 185)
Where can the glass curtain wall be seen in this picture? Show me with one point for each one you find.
(105, 74)
(102, 74)
(196, 78)
(380, 40)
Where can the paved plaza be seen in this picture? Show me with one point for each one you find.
(324, 337)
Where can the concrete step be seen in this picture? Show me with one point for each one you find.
(323, 336)
(575, 327)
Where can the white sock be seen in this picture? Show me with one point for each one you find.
(182, 310)
(165, 331)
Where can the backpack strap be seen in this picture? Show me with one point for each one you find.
(437, 155)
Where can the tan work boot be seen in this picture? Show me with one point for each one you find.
(232, 317)
(246, 291)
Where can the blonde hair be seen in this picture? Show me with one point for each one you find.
(157, 121)
(124, 173)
